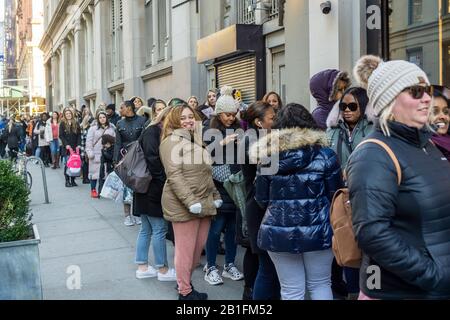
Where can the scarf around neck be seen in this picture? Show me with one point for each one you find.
(443, 143)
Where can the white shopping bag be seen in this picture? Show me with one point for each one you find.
(113, 187)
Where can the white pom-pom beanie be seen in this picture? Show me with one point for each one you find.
(226, 103)
(386, 80)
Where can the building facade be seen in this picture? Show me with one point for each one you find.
(30, 64)
(10, 71)
(110, 50)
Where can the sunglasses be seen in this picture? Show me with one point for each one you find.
(351, 106)
(417, 92)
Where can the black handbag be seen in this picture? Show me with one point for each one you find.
(132, 169)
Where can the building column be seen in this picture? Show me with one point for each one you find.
(185, 33)
(53, 70)
(297, 54)
(63, 74)
(133, 47)
(78, 65)
(90, 52)
(101, 65)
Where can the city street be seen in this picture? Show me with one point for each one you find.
(77, 231)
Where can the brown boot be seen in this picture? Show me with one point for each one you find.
(58, 161)
(53, 161)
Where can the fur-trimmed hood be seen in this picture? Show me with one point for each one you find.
(279, 141)
(324, 86)
(335, 116)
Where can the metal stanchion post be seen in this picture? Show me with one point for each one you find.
(44, 176)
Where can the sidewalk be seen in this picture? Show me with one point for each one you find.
(89, 233)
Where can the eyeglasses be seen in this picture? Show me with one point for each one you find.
(351, 106)
(417, 92)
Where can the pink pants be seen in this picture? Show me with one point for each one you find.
(190, 239)
(363, 297)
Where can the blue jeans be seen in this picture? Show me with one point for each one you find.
(267, 285)
(218, 223)
(54, 147)
(38, 152)
(306, 271)
(153, 230)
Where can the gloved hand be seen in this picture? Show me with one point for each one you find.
(218, 203)
(196, 208)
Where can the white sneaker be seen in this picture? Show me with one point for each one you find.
(150, 273)
(171, 275)
(213, 277)
(137, 220)
(231, 272)
(129, 222)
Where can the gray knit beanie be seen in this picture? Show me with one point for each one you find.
(226, 103)
(384, 81)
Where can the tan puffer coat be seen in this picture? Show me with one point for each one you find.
(189, 178)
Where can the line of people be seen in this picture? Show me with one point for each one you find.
(264, 175)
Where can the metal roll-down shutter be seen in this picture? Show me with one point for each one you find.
(241, 75)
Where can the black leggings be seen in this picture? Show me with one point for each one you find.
(251, 265)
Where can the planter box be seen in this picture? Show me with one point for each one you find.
(20, 272)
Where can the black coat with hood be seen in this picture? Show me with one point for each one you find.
(405, 230)
(150, 203)
(297, 197)
(128, 131)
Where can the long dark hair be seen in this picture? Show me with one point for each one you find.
(267, 96)
(217, 124)
(295, 115)
(256, 110)
(439, 94)
(97, 118)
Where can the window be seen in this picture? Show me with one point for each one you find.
(415, 11)
(416, 56)
(158, 20)
(162, 28)
(117, 39)
(425, 44)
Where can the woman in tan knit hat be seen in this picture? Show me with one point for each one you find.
(401, 212)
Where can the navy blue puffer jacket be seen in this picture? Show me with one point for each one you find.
(297, 198)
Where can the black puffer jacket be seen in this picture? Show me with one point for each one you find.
(128, 130)
(404, 230)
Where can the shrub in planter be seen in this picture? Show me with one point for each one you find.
(15, 219)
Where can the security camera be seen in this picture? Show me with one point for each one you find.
(325, 7)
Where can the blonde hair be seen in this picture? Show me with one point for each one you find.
(161, 117)
(193, 97)
(173, 122)
(385, 116)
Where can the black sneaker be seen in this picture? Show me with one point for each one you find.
(74, 184)
(194, 295)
